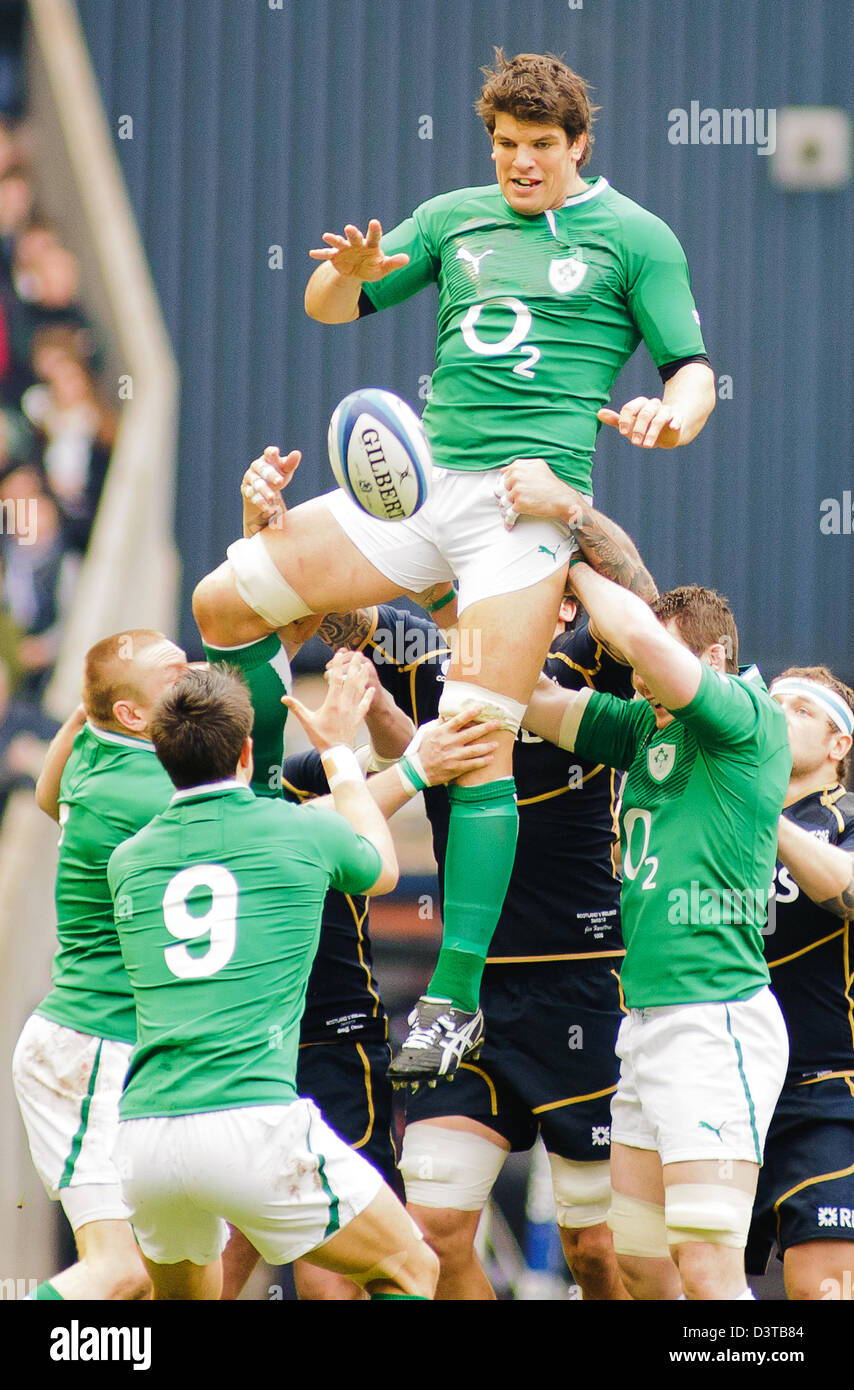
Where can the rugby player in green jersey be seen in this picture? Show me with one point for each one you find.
(218, 905)
(101, 781)
(547, 283)
(704, 1049)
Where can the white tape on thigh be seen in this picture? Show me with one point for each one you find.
(449, 1167)
(638, 1227)
(459, 695)
(715, 1213)
(582, 1192)
(260, 584)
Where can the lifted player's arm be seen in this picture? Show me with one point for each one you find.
(824, 872)
(532, 489)
(627, 624)
(676, 417)
(50, 777)
(332, 293)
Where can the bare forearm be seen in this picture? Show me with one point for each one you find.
(610, 551)
(824, 872)
(390, 729)
(332, 298)
(692, 393)
(47, 786)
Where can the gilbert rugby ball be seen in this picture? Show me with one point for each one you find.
(379, 454)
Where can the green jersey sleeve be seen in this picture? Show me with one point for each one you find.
(659, 292)
(729, 713)
(352, 861)
(611, 730)
(412, 237)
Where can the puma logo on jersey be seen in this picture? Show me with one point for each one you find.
(463, 254)
(546, 551)
(716, 1129)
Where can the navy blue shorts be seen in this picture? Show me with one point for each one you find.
(806, 1183)
(548, 1064)
(347, 1080)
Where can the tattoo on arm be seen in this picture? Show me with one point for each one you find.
(608, 549)
(843, 904)
(347, 629)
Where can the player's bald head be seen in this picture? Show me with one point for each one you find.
(121, 668)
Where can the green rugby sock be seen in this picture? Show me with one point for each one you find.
(45, 1291)
(482, 835)
(264, 666)
(398, 1298)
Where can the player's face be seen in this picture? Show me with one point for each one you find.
(810, 733)
(535, 164)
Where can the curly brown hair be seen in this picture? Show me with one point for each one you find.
(538, 87)
(702, 618)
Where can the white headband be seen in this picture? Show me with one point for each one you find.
(836, 709)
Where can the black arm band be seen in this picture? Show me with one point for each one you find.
(671, 368)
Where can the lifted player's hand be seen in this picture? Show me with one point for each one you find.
(450, 747)
(356, 256)
(348, 700)
(530, 488)
(262, 486)
(649, 423)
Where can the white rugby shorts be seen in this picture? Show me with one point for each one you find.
(276, 1172)
(457, 534)
(68, 1086)
(700, 1081)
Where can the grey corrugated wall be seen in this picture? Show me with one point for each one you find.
(256, 127)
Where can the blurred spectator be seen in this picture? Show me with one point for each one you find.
(38, 572)
(24, 736)
(77, 426)
(16, 208)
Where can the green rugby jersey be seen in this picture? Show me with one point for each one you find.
(537, 315)
(218, 904)
(701, 802)
(111, 786)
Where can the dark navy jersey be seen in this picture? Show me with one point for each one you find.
(343, 999)
(564, 896)
(809, 951)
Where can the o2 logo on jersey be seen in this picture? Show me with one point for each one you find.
(633, 862)
(514, 338)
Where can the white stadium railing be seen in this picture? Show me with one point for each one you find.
(130, 575)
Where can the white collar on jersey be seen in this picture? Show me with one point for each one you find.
(228, 784)
(123, 740)
(592, 192)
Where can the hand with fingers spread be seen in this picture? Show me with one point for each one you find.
(647, 422)
(262, 487)
(357, 256)
(348, 700)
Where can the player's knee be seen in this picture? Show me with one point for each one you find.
(449, 1233)
(120, 1278)
(210, 604)
(590, 1255)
